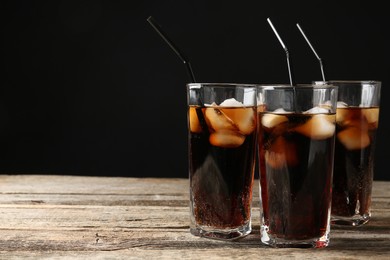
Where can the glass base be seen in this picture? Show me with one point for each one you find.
(354, 221)
(277, 242)
(222, 234)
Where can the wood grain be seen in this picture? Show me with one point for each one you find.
(75, 217)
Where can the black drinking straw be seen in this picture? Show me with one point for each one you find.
(186, 62)
(285, 49)
(315, 53)
(173, 47)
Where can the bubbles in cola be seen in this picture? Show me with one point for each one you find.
(222, 164)
(353, 174)
(296, 155)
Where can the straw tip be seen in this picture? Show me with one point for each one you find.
(269, 22)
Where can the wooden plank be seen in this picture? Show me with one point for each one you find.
(132, 218)
(90, 185)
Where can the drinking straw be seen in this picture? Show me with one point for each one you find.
(285, 49)
(315, 53)
(186, 62)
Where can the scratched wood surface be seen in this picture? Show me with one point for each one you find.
(75, 217)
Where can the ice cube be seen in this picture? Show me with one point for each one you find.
(341, 104)
(272, 120)
(281, 154)
(194, 121)
(372, 115)
(318, 127)
(218, 120)
(231, 102)
(341, 115)
(210, 105)
(281, 111)
(317, 110)
(243, 118)
(226, 139)
(354, 138)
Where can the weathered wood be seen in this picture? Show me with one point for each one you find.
(61, 217)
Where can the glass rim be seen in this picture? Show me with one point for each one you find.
(327, 85)
(343, 81)
(222, 84)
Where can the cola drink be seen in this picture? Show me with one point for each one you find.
(296, 165)
(357, 123)
(354, 161)
(222, 152)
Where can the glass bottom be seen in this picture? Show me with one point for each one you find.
(222, 234)
(273, 241)
(355, 221)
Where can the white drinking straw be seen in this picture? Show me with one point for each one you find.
(285, 49)
(315, 53)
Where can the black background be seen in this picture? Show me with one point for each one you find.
(89, 88)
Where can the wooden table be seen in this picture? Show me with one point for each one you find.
(73, 217)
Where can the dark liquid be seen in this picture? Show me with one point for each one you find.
(296, 177)
(353, 172)
(221, 180)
